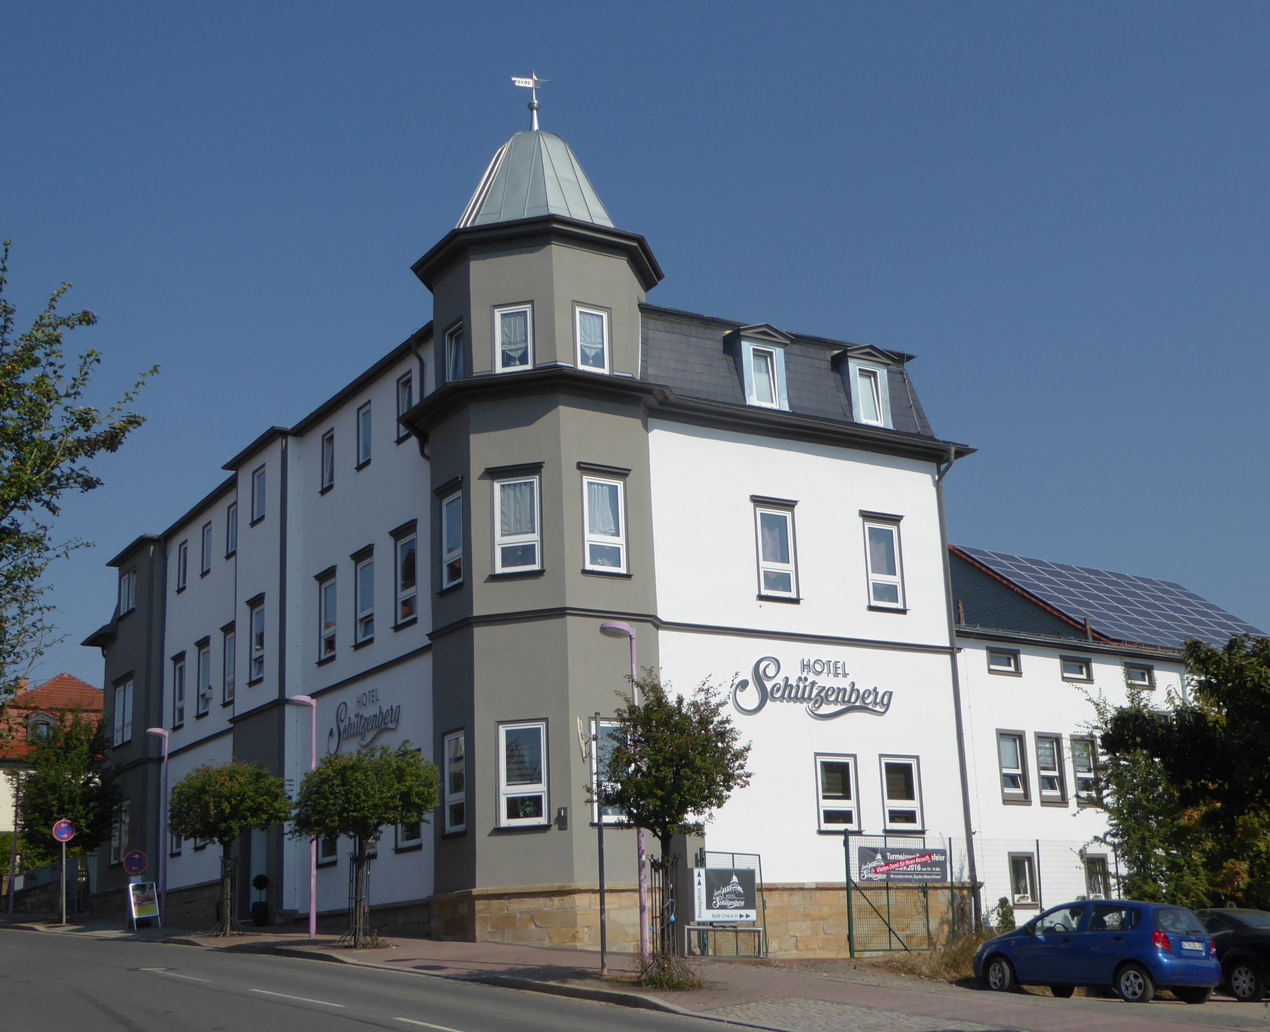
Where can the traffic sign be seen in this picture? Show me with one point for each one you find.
(135, 862)
(63, 831)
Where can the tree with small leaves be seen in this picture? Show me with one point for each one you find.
(218, 803)
(357, 795)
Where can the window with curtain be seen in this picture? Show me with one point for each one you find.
(455, 783)
(835, 795)
(256, 621)
(593, 340)
(1013, 773)
(522, 774)
(516, 535)
(326, 619)
(515, 345)
(1049, 769)
(178, 691)
(605, 525)
(227, 687)
(882, 554)
(203, 688)
(901, 792)
(763, 368)
(452, 540)
(777, 570)
(364, 588)
(407, 589)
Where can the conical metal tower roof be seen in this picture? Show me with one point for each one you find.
(534, 174)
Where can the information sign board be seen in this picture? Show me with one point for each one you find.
(143, 900)
(724, 894)
(912, 865)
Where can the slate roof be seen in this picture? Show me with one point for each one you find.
(1120, 606)
(534, 173)
(685, 351)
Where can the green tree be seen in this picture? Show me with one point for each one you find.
(674, 761)
(359, 794)
(68, 781)
(217, 804)
(48, 436)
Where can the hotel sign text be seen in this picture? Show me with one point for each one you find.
(822, 701)
(365, 724)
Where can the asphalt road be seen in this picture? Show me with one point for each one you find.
(55, 983)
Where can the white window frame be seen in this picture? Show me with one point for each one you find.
(607, 726)
(890, 806)
(326, 474)
(255, 643)
(513, 540)
(231, 529)
(403, 843)
(1026, 899)
(203, 679)
(205, 547)
(1014, 780)
(577, 334)
(873, 577)
(881, 379)
(328, 617)
(538, 788)
(589, 538)
(1051, 784)
(175, 841)
(1086, 678)
(770, 566)
(454, 363)
(407, 381)
(1089, 796)
(825, 803)
(364, 430)
(119, 833)
(258, 485)
(363, 607)
(128, 591)
(450, 556)
(326, 859)
(1145, 682)
(182, 565)
(452, 797)
(499, 312)
(1015, 668)
(405, 594)
(178, 691)
(775, 357)
(229, 661)
(121, 733)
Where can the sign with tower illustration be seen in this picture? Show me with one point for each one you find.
(724, 894)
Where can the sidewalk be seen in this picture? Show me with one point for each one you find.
(771, 995)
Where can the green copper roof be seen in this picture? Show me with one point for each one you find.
(534, 174)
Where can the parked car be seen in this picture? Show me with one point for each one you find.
(1133, 947)
(1243, 948)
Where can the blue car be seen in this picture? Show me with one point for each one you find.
(1135, 948)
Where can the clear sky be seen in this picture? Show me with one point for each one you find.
(1060, 208)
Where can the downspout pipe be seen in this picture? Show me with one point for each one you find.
(956, 691)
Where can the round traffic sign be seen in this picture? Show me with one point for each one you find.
(63, 831)
(135, 862)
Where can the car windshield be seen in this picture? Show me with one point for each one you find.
(1061, 919)
(1253, 918)
(1177, 921)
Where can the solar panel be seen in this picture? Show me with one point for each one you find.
(1119, 605)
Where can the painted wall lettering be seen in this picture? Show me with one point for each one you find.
(822, 701)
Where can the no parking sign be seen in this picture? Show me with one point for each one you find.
(135, 862)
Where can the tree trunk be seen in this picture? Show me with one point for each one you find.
(226, 890)
(359, 894)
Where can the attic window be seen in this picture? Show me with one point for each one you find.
(763, 369)
(870, 393)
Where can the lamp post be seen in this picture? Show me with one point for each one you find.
(164, 844)
(619, 629)
(308, 700)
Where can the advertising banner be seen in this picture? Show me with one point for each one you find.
(724, 894)
(915, 865)
(143, 899)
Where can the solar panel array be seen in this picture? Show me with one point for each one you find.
(1119, 605)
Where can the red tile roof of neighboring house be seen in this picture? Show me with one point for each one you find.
(60, 693)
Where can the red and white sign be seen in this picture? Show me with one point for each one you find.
(63, 831)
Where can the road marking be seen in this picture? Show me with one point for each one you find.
(427, 1024)
(302, 999)
(176, 974)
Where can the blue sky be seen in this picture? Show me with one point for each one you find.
(1061, 209)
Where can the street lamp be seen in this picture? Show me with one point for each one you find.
(619, 629)
(308, 700)
(164, 844)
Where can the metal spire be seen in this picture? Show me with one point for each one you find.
(531, 84)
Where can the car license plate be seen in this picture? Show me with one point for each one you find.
(1192, 947)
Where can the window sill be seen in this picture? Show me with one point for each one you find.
(361, 466)
(790, 600)
(230, 555)
(200, 716)
(1082, 804)
(456, 833)
(199, 849)
(328, 863)
(258, 519)
(1016, 802)
(325, 659)
(1055, 803)
(258, 680)
(227, 702)
(173, 856)
(327, 490)
(601, 572)
(413, 848)
(1005, 673)
(402, 439)
(363, 643)
(837, 832)
(450, 588)
(177, 727)
(405, 623)
(537, 571)
(888, 609)
(1078, 680)
(128, 741)
(906, 830)
(527, 826)
(180, 589)
(204, 573)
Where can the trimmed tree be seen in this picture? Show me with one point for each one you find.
(358, 794)
(675, 759)
(68, 781)
(217, 804)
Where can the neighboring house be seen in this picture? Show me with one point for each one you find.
(25, 716)
(1038, 642)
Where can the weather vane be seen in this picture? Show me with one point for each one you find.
(531, 84)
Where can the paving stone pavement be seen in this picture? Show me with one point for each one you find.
(804, 1015)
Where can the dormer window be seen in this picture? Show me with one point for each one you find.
(514, 338)
(763, 371)
(762, 364)
(870, 395)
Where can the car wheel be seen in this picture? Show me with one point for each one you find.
(1063, 992)
(999, 975)
(1247, 984)
(1134, 984)
(1189, 994)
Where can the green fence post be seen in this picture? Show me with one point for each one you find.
(846, 849)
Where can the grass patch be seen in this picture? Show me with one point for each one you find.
(667, 972)
(950, 961)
